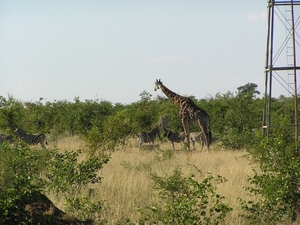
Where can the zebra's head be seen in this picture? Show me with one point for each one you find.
(157, 83)
(16, 130)
(19, 132)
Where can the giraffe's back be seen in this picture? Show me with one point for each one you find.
(194, 112)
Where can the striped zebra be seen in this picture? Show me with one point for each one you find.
(6, 138)
(199, 137)
(174, 137)
(32, 139)
(145, 137)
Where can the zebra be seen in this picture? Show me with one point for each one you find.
(145, 137)
(199, 137)
(174, 137)
(6, 137)
(32, 139)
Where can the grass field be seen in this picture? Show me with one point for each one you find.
(126, 184)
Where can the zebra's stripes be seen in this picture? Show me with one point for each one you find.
(199, 137)
(6, 138)
(31, 139)
(174, 137)
(145, 137)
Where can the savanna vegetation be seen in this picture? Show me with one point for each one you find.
(95, 172)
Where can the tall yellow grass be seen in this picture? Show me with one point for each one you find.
(126, 184)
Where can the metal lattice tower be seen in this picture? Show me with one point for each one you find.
(283, 44)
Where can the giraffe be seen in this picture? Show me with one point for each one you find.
(188, 112)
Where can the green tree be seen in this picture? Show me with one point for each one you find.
(92, 113)
(248, 89)
(12, 114)
(37, 117)
(114, 133)
(217, 107)
(236, 119)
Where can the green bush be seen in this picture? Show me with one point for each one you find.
(85, 209)
(20, 183)
(276, 181)
(70, 177)
(184, 200)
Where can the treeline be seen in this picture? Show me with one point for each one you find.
(236, 118)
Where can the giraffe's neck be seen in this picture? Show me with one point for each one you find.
(175, 98)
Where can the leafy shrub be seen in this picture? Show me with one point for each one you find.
(115, 132)
(20, 183)
(85, 209)
(277, 182)
(184, 200)
(70, 177)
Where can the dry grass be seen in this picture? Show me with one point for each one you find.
(126, 184)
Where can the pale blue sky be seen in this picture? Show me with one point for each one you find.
(114, 50)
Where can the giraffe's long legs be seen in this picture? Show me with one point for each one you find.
(186, 128)
(205, 130)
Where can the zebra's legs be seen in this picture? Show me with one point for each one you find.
(172, 143)
(202, 143)
(194, 146)
(43, 145)
(140, 139)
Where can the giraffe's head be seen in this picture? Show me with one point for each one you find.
(157, 83)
